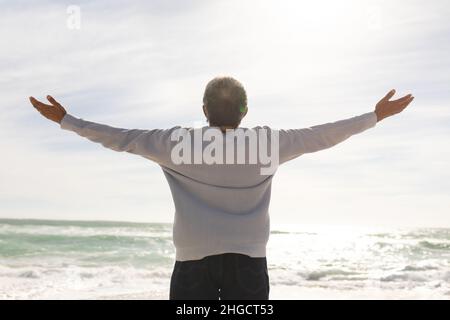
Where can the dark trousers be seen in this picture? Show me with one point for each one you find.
(228, 276)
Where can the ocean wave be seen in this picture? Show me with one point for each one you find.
(23, 244)
(30, 274)
(432, 233)
(409, 247)
(293, 232)
(421, 233)
(156, 231)
(419, 268)
(445, 246)
(318, 275)
(84, 223)
(80, 272)
(403, 277)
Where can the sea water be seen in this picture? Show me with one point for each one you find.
(50, 259)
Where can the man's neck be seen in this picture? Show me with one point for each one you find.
(223, 128)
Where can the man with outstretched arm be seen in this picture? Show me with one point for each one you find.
(221, 197)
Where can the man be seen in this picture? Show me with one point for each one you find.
(221, 197)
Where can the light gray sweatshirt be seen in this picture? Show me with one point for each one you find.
(219, 208)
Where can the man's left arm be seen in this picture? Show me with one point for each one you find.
(295, 142)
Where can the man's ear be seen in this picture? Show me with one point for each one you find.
(245, 112)
(205, 111)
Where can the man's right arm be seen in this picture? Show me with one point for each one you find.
(151, 144)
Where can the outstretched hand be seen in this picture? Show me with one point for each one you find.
(53, 111)
(386, 108)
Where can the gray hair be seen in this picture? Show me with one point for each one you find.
(226, 101)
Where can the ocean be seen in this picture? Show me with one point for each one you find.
(50, 259)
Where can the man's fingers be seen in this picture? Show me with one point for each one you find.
(53, 101)
(386, 108)
(34, 102)
(407, 102)
(37, 104)
(402, 99)
(42, 107)
(401, 106)
(389, 95)
(54, 112)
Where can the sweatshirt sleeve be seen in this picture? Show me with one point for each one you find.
(151, 144)
(295, 142)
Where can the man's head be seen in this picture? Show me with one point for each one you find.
(225, 102)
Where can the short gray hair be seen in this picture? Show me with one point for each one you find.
(226, 101)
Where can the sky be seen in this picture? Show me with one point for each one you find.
(145, 64)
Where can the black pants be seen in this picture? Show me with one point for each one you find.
(225, 276)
